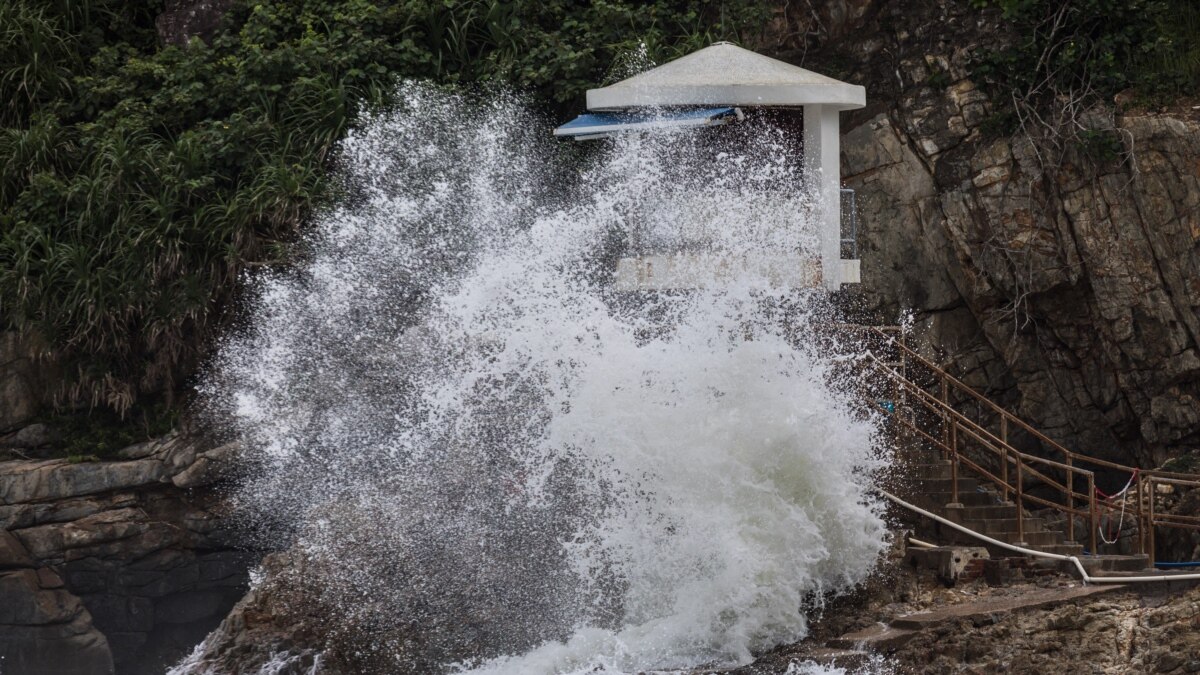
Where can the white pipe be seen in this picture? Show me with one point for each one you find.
(1087, 579)
(921, 544)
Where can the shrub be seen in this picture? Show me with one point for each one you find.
(1095, 48)
(139, 183)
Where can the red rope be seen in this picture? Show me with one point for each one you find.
(1107, 497)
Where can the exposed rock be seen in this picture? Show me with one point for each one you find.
(32, 436)
(208, 467)
(909, 620)
(1067, 283)
(172, 459)
(1119, 634)
(150, 565)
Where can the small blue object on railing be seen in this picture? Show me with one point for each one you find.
(889, 406)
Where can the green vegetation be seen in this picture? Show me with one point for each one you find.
(1081, 49)
(102, 432)
(139, 183)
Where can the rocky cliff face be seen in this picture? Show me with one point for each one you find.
(1063, 281)
(118, 566)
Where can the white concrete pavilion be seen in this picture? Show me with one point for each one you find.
(709, 87)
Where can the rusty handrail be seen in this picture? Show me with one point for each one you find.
(1008, 417)
(1002, 450)
(977, 429)
(954, 421)
(1005, 454)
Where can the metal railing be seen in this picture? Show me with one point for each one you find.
(932, 405)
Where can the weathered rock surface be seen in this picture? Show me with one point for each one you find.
(1126, 633)
(908, 620)
(1064, 282)
(115, 566)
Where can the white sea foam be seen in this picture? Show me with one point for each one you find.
(480, 445)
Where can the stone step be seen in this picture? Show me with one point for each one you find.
(1032, 539)
(992, 526)
(989, 512)
(973, 498)
(879, 638)
(999, 605)
(934, 471)
(849, 660)
(965, 484)
(1064, 549)
(1100, 564)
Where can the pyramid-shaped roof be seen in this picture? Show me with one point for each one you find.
(724, 74)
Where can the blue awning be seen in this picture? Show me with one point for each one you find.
(602, 124)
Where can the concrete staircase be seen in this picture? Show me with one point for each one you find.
(982, 509)
(1004, 466)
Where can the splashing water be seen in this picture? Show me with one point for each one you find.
(488, 458)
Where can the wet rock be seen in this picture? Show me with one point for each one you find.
(12, 553)
(269, 625)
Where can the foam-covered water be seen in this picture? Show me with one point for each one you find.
(489, 459)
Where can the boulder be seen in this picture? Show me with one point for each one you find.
(46, 630)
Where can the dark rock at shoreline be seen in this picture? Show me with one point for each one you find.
(122, 566)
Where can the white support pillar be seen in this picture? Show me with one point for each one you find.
(822, 163)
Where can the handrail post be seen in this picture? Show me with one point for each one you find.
(1070, 499)
(1140, 520)
(1092, 513)
(1020, 503)
(903, 367)
(1004, 461)
(945, 413)
(1004, 474)
(1150, 530)
(954, 462)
